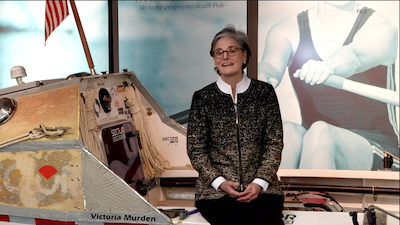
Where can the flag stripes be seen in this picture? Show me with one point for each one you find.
(56, 12)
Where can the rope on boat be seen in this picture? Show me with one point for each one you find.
(33, 134)
(153, 161)
(88, 129)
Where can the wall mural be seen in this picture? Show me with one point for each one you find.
(167, 43)
(305, 51)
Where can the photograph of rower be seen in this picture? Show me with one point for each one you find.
(333, 128)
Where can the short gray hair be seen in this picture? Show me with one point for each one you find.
(240, 37)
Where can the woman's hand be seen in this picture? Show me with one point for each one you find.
(230, 187)
(252, 191)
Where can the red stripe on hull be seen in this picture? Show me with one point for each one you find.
(4, 218)
(53, 222)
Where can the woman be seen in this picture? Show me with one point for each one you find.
(235, 140)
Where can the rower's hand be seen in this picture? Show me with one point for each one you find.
(230, 187)
(252, 191)
(314, 72)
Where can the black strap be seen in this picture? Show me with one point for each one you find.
(354, 217)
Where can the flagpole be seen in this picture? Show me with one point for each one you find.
(83, 38)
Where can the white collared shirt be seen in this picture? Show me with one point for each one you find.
(241, 87)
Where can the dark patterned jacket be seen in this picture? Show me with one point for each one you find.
(212, 141)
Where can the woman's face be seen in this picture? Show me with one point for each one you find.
(229, 65)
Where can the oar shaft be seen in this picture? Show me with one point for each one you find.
(83, 37)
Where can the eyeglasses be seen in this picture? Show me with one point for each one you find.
(231, 51)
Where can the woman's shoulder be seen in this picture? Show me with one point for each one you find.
(206, 92)
(261, 85)
(261, 90)
(207, 89)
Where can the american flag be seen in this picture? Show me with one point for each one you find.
(56, 12)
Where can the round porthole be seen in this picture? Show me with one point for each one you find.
(8, 107)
